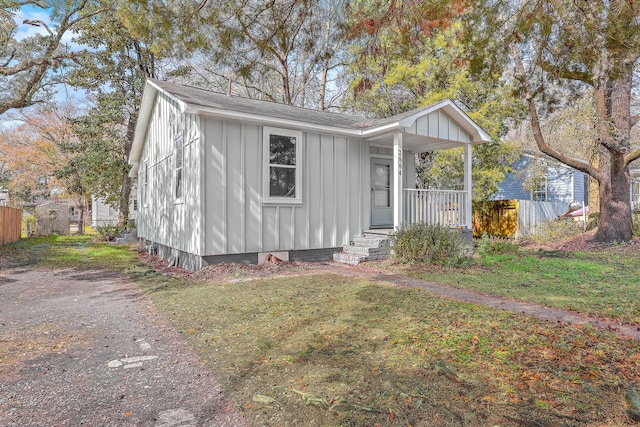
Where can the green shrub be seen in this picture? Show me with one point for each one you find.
(552, 231)
(488, 245)
(108, 232)
(427, 243)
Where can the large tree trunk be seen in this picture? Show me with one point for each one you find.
(81, 208)
(613, 101)
(125, 193)
(615, 221)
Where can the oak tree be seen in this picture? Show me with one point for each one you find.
(558, 46)
(113, 72)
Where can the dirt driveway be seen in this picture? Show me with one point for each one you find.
(88, 348)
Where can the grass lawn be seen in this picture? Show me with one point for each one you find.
(605, 284)
(325, 350)
(74, 251)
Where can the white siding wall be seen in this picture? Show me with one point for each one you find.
(222, 211)
(103, 214)
(333, 209)
(161, 218)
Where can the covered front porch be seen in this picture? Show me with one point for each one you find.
(441, 126)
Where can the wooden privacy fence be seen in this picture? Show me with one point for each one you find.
(10, 224)
(513, 218)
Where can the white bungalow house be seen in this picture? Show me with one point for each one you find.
(223, 178)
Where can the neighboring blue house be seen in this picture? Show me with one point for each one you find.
(543, 179)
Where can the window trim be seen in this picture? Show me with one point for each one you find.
(635, 194)
(145, 184)
(267, 131)
(178, 144)
(543, 181)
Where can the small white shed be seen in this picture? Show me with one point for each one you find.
(223, 178)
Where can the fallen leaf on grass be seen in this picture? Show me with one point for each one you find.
(267, 400)
(340, 404)
(311, 398)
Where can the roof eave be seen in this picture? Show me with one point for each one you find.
(374, 132)
(273, 121)
(149, 96)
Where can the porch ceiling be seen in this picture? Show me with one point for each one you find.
(417, 143)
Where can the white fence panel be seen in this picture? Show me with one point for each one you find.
(532, 214)
(443, 207)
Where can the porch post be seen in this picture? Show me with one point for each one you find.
(397, 180)
(467, 185)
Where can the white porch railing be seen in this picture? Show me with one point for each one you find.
(443, 207)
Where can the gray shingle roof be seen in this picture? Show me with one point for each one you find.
(208, 99)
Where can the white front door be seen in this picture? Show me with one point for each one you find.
(381, 192)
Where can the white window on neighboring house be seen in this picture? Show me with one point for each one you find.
(282, 177)
(539, 193)
(635, 195)
(179, 161)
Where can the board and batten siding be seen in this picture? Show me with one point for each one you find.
(439, 125)
(162, 218)
(334, 172)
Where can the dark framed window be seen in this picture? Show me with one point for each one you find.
(282, 165)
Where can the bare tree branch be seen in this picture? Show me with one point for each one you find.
(634, 155)
(521, 76)
(38, 23)
(35, 68)
(566, 73)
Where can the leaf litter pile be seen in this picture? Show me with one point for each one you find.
(325, 350)
(227, 270)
